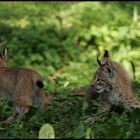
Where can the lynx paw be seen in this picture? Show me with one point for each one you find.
(91, 120)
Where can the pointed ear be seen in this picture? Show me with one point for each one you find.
(106, 54)
(105, 57)
(99, 62)
(106, 60)
(5, 53)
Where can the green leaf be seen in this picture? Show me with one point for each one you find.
(113, 131)
(135, 114)
(46, 132)
(85, 106)
(89, 133)
(79, 131)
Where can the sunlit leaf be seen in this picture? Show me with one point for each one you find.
(89, 133)
(46, 132)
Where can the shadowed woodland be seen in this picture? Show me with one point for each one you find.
(61, 40)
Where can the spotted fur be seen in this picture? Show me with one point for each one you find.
(111, 81)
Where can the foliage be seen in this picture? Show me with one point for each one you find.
(46, 132)
(61, 40)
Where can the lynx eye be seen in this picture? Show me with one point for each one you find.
(109, 69)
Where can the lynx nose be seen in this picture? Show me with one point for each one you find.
(92, 85)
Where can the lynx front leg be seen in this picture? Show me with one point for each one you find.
(22, 110)
(18, 113)
(103, 107)
(21, 107)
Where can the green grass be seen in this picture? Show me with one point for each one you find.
(61, 41)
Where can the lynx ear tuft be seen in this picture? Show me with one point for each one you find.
(99, 62)
(105, 57)
(106, 54)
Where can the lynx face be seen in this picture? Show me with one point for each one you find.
(104, 76)
(102, 79)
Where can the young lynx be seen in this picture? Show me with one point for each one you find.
(112, 83)
(22, 86)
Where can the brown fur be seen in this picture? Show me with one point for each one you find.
(20, 86)
(113, 84)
